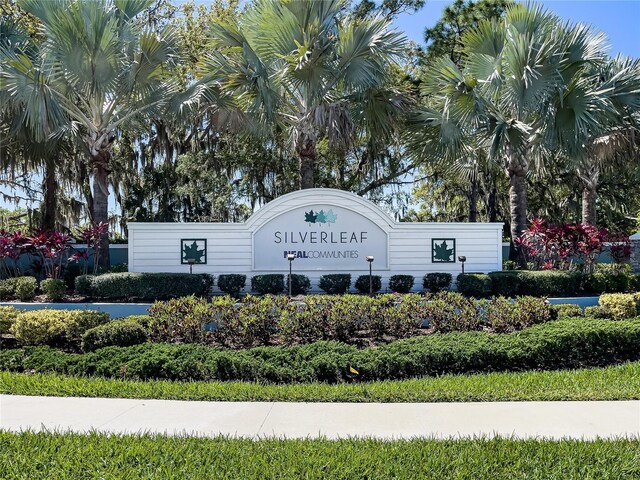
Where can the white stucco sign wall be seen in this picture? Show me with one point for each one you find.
(327, 230)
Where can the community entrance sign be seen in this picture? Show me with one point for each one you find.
(322, 237)
(324, 231)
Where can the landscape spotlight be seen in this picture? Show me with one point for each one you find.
(291, 257)
(462, 259)
(370, 260)
(191, 261)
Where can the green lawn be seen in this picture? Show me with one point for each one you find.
(620, 382)
(75, 456)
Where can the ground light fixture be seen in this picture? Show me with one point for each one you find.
(291, 257)
(191, 261)
(370, 260)
(462, 259)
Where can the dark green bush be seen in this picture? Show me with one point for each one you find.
(232, 283)
(26, 288)
(336, 283)
(7, 289)
(563, 344)
(437, 282)
(598, 312)
(607, 282)
(272, 283)
(22, 288)
(401, 283)
(146, 286)
(362, 283)
(550, 282)
(474, 284)
(506, 284)
(122, 332)
(567, 310)
(300, 284)
(83, 283)
(54, 289)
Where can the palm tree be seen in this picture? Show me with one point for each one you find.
(525, 89)
(97, 70)
(616, 141)
(306, 68)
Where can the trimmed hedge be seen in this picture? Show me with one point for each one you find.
(8, 317)
(562, 344)
(545, 283)
(401, 283)
(597, 312)
(21, 288)
(232, 283)
(335, 283)
(122, 332)
(474, 284)
(144, 286)
(567, 310)
(362, 283)
(272, 283)
(55, 327)
(53, 288)
(437, 282)
(620, 305)
(300, 284)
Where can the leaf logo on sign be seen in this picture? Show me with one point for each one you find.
(320, 217)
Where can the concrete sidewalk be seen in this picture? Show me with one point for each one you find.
(582, 420)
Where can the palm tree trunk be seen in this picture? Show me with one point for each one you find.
(473, 200)
(589, 196)
(50, 203)
(306, 149)
(518, 209)
(493, 212)
(101, 201)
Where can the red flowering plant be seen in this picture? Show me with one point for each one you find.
(51, 249)
(12, 246)
(91, 235)
(558, 246)
(620, 247)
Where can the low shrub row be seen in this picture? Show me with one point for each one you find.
(18, 288)
(143, 286)
(545, 283)
(72, 328)
(159, 286)
(336, 283)
(555, 345)
(348, 318)
(53, 327)
(613, 306)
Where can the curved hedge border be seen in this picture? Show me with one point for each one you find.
(555, 345)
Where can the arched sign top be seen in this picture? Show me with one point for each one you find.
(324, 229)
(326, 196)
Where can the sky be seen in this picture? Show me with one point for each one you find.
(618, 19)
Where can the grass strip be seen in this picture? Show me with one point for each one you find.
(73, 456)
(619, 382)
